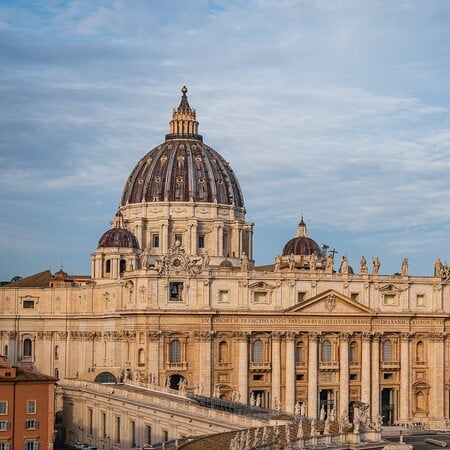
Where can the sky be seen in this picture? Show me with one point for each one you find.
(337, 110)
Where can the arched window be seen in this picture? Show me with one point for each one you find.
(6, 351)
(299, 353)
(27, 347)
(326, 351)
(223, 352)
(387, 351)
(105, 377)
(353, 352)
(108, 266)
(123, 265)
(175, 351)
(56, 373)
(258, 351)
(56, 352)
(420, 352)
(141, 356)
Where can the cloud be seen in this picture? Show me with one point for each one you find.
(336, 109)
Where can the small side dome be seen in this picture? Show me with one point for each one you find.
(301, 244)
(118, 235)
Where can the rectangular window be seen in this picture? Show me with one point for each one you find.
(260, 297)
(117, 436)
(3, 407)
(133, 433)
(175, 291)
(31, 406)
(31, 445)
(354, 296)
(179, 238)
(165, 435)
(4, 425)
(31, 424)
(301, 296)
(420, 300)
(148, 434)
(258, 377)
(28, 304)
(201, 241)
(300, 377)
(90, 420)
(4, 446)
(155, 240)
(103, 424)
(390, 299)
(224, 297)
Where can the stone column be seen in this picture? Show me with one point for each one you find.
(437, 377)
(343, 374)
(290, 399)
(276, 366)
(204, 339)
(404, 403)
(312, 375)
(236, 240)
(375, 404)
(153, 358)
(164, 237)
(365, 364)
(242, 339)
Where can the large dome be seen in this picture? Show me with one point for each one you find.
(183, 168)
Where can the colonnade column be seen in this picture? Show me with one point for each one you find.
(365, 364)
(437, 385)
(290, 373)
(276, 367)
(312, 375)
(375, 405)
(344, 372)
(242, 339)
(404, 378)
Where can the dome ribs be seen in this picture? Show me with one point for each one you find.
(183, 168)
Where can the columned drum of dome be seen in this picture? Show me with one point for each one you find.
(185, 192)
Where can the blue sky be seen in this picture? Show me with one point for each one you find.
(339, 110)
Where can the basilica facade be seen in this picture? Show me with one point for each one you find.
(175, 299)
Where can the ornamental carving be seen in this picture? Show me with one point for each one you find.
(203, 335)
(344, 337)
(276, 336)
(406, 337)
(177, 262)
(241, 336)
(62, 335)
(330, 302)
(45, 335)
(154, 335)
(291, 336)
(437, 336)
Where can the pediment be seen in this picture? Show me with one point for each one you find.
(331, 302)
(261, 285)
